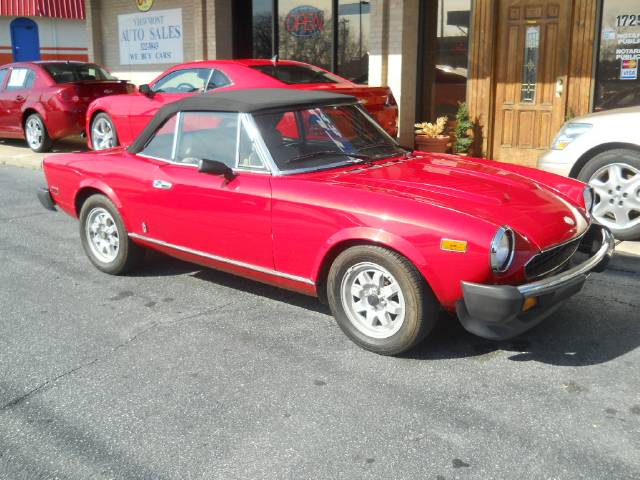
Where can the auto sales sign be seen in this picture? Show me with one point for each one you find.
(151, 37)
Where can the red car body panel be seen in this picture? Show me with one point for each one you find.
(62, 106)
(295, 224)
(131, 113)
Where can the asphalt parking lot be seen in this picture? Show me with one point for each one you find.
(180, 372)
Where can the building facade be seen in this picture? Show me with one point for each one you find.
(42, 30)
(523, 66)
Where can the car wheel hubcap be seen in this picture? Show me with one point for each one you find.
(373, 300)
(35, 133)
(102, 235)
(617, 196)
(102, 134)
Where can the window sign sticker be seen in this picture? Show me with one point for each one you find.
(608, 35)
(17, 77)
(629, 69)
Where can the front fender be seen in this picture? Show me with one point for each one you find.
(378, 237)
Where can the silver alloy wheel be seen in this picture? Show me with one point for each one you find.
(34, 131)
(102, 134)
(102, 235)
(373, 300)
(617, 192)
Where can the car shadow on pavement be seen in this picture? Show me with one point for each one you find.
(159, 264)
(573, 336)
(568, 338)
(66, 145)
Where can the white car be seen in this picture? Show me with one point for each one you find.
(603, 149)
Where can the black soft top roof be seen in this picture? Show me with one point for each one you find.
(245, 101)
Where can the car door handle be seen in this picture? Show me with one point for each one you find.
(19, 98)
(161, 184)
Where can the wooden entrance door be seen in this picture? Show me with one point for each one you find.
(530, 72)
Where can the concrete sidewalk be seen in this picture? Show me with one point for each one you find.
(18, 154)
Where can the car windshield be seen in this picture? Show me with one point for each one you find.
(323, 137)
(77, 72)
(296, 74)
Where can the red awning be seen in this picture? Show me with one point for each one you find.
(43, 8)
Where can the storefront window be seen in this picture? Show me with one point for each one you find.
(262, 28)
(444, 52)
(618, 82)
(306, 31)
(353, 40)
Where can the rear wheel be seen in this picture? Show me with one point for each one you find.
(615, 178)
(36, 134)
(105, 239)
(380, 300)
(103, 132)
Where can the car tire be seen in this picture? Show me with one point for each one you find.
(36, 134)
(381, 321)
(103, 132)
(617, 203)
(105, 238)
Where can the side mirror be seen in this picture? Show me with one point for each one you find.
(145, 90)
(215, 167)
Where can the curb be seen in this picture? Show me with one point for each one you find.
(624, 262)
(22, 163)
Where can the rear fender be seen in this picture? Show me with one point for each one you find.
(89, 186)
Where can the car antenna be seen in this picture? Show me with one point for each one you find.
(274, 59)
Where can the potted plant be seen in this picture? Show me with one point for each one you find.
(464, 130)
(430, 136)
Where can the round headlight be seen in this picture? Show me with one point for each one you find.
(502, 249)
(588, 196)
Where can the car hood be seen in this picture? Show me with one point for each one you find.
(478, 188)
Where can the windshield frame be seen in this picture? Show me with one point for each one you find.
(276, 170)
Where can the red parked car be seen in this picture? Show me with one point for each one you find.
(304, 191)
(44, 101)
(119, 119)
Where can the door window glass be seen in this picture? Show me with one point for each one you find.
(20, 78)
(618, 70)
(208, 135)
(217, 80)
(183, 81)
(3, 74)
(530, 64)
(161, 144)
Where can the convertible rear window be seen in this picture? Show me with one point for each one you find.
(296, 74)
(76, 72)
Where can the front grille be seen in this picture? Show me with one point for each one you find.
(552, 259)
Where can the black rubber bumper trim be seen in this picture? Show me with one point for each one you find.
(495, 312)
(44, 195)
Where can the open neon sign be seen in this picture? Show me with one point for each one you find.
(304, 21)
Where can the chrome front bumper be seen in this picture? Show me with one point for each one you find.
(503, 311)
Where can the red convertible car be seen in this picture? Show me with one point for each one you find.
(118, 120)
(305, 191)
(45, 101)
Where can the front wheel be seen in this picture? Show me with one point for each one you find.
(103, 132)
(615, 178)
(36, 134)
(380, 300)
(105, 239)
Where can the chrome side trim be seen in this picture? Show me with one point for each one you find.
(547, 284)
(229, 261)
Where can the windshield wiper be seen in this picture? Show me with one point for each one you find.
(380, 145)
(320, 153)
